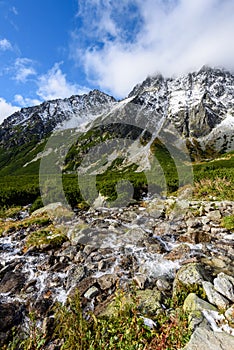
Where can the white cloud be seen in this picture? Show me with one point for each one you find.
(26, 101)
(5, 45)
(14, 10)
(54, 85)
(24, 69)
(6, 109)
(171, 37)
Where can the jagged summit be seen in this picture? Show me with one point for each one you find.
(42, 119)
(199, 105)
(196, 102)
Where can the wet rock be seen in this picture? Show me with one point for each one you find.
(195, 236)
(12, 282)
(76, 274)
(80, 257)
(95, 257)
(7, 268)
(88, 249)
(107, 281)
(83, 286)
(154, 246)
(182, 251)
(43, 304)
(224, 284)
(70, 252)
(213, 296)
(134, 235)
(81, 236)
(91, 292)
(201, 237)
(214, 215)
(126, 262)
(10, 316)
(140, 280)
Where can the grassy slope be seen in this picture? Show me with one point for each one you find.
(20, 185)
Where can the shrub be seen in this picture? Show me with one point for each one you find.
(124, 329)
(228, 222)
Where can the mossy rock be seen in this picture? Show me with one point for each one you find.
(195, 304)
(56, 211)
(148, 302)
(189, 279)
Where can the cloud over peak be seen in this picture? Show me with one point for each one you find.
(137, 38)
(54, 84)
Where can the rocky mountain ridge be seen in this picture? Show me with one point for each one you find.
(199, 106)
(39, 121)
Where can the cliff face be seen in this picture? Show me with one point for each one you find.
(199, 105)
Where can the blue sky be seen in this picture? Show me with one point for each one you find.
(52, 49)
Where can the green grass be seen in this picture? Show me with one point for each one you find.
(123, 330)
(228, 222)
(20, 185)
(215, 178)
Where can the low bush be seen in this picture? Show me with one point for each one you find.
(123, 330)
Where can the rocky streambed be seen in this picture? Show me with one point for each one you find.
(165, 247)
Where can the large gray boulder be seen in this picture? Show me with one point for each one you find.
(205, 338)
(224, 284)
(214, 297)
(189, 278)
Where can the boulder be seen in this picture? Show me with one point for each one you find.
(194, 303)
(56, 211)
(91, 292)
(107, 281)
(189, 277)
(12, 282)
(205, 338)
(134, 235)
(214, 297)
(229, 314)
(195, 306)
(224, 284)
(149, 301)
(10, 316)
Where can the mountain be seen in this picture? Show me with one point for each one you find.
(199, 105)
(37, 122)
(163, 124)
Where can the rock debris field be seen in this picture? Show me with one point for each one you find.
(162, 246)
